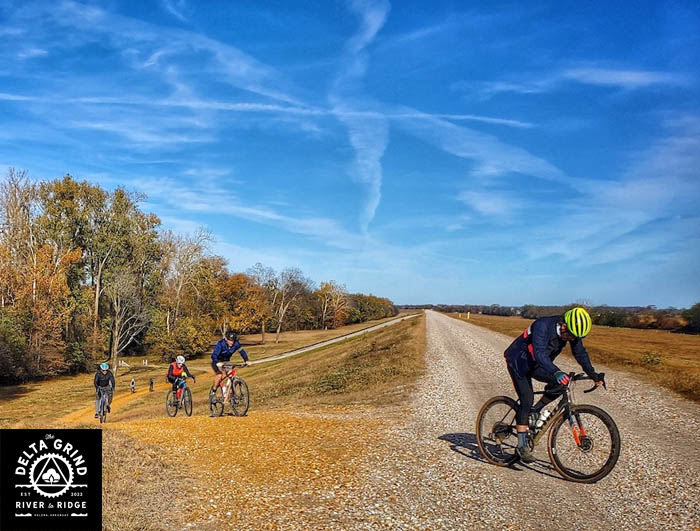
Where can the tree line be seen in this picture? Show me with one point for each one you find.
(674, 319)
(87, 276)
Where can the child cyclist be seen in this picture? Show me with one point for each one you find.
(175, 372)
(104, 383)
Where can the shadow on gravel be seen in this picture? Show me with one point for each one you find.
(466, 444)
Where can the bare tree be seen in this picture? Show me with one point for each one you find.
(291, 284)
(339, 304)
(129, 314)
(183, 261)
(266, 279)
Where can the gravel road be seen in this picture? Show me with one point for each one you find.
(429, 472)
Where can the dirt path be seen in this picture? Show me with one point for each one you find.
(120, 401)
(332, 341)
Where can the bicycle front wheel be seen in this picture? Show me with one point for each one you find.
(187, 402)
(240, 398)
(171, 404)
(495, 430)
(587, 450)
(103, 410)
(216, 402)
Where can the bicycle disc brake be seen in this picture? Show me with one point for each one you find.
(586, 444)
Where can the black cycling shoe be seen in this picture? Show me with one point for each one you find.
(525, 454)
(97, 416)
(109, 409)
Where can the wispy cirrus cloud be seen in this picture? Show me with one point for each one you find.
(368, 136)
(649, 210)
(176, 8)
(626, 79)
(621, 78)
(493, 157)
(29, 53)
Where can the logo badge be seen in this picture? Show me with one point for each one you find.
(51, 479)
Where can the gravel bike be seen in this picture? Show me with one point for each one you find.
(181, 399)
(233, 390)
(585, 452)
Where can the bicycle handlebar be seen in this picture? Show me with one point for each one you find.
(236, 365)
(581, 376)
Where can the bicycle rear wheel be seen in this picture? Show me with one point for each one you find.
(240, 398)
(216, 402)
(496, 432)
(588, 450)
(171, 404)
(187, 401)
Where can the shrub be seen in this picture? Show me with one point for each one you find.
(651, 359)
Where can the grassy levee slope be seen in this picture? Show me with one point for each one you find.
(301, 440)
(376, 368)
(658, 356)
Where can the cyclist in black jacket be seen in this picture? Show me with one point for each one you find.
(104, 382)
(532, 355)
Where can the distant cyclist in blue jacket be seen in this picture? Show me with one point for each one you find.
(532, 355)
(223, 351)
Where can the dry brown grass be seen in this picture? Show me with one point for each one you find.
(377, 368)
(658, 356)
(143, 487)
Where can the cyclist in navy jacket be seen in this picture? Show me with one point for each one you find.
(223, 351)
(532, 355)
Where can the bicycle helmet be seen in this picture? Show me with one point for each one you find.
(104, 366)
(180, 360)
(231, 335)
(578, 322)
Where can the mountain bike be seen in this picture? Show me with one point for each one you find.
(102, 412)
(181, 399)
(233, 390)
(585, 452)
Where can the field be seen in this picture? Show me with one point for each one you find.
(658, 356)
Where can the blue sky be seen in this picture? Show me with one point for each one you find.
(524, 152)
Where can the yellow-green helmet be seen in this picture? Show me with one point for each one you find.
(578, 322)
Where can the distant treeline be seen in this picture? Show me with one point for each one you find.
(677, 320)
(86, 275)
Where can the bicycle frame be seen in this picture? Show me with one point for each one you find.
(561, 409)
(227, 381)
(181, 389)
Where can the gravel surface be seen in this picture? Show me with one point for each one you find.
(435, 476)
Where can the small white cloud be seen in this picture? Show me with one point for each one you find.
(29, 53)
(489, 202)
(176, 8)
(628, 79)
(14, 97)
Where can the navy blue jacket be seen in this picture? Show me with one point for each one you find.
(222, 352)
(540, 344)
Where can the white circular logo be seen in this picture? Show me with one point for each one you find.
(51, 475)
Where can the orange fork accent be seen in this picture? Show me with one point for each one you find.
(574, 429)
